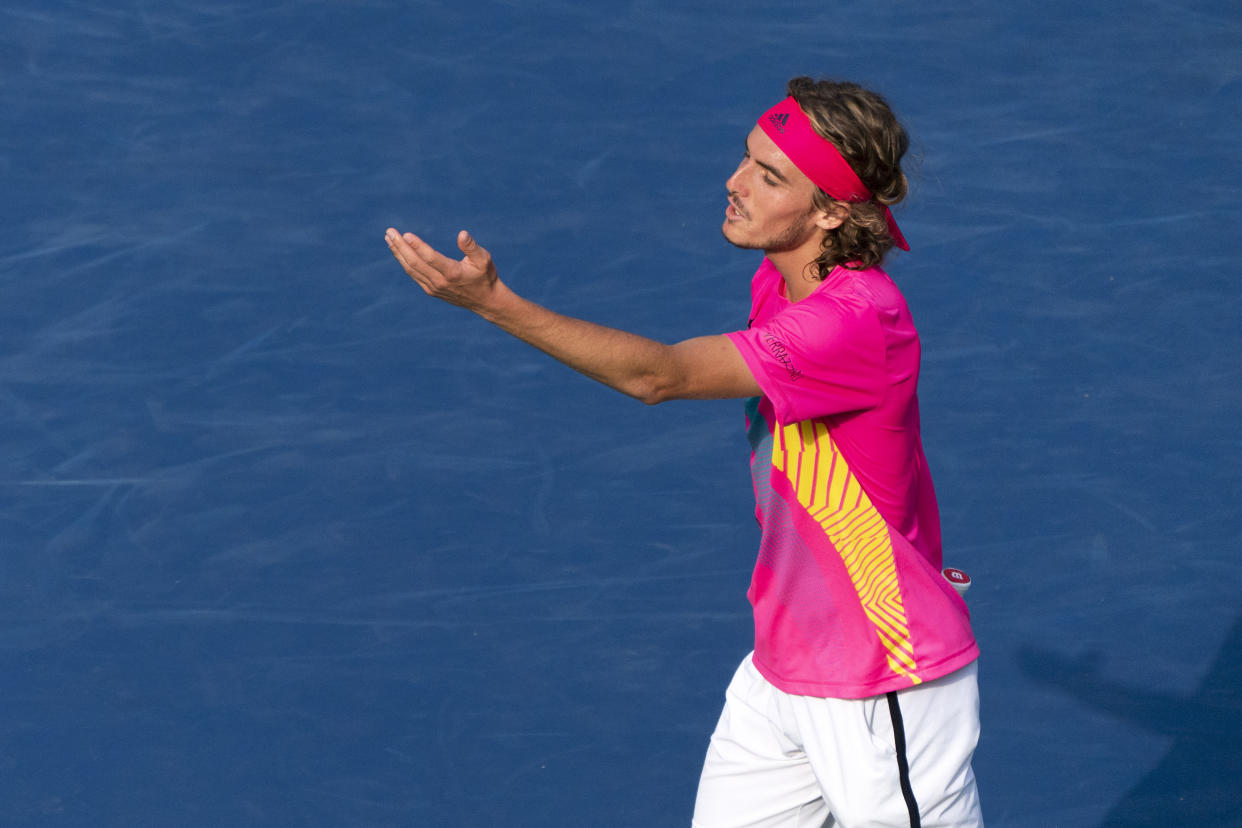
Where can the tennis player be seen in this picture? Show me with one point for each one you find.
(859, 704)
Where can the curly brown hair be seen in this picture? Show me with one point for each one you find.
(863, 128)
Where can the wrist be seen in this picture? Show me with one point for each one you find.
(499, 305)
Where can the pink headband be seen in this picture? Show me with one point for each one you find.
(789, 127)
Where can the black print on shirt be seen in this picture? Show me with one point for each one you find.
(781, 353)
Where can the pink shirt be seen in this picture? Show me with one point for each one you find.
(848, 597)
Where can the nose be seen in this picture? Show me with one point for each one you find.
(734, 182)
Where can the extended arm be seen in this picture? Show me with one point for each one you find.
(706, 367)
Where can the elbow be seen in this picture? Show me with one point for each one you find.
(651, 391)
(652, 399)
(650, 396)
(659, 381)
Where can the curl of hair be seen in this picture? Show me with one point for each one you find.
(863, 128)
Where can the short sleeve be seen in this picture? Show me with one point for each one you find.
(822, 356)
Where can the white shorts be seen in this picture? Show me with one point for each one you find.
(903, 759)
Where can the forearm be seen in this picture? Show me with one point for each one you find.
(634, 365)
(707, 367)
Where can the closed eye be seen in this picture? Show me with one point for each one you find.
(770, 176)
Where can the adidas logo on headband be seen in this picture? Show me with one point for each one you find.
(779, 120)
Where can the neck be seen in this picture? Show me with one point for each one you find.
(797, 267)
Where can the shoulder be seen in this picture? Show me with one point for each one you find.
(871, 286)
(862, 294)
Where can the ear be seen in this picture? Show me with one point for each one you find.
(833, 217)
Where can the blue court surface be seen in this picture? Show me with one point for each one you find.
(283, 542)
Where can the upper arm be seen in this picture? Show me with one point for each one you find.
(707, 368)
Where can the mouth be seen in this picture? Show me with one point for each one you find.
(734, 210)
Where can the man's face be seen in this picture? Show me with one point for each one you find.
(770, 202)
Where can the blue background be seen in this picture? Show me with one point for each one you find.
(284, 542)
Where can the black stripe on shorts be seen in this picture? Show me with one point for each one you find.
(903, 764)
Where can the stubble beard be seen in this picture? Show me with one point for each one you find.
(790, 238)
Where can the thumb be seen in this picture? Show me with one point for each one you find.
(475, 254)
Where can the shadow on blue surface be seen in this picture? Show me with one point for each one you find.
(1197, 781)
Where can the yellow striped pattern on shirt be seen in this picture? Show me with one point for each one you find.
(830, 492)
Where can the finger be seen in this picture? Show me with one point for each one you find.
(421, 256)
(429, 255)
(400, 248)
(475, 253)
(413, 264)
(398, 243)
(413, 246)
